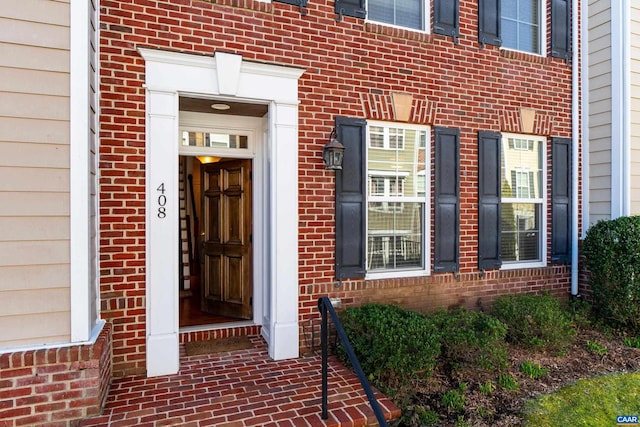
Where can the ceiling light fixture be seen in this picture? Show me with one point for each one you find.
(208, 159)
(220, 106)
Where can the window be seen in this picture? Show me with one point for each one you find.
(523, 198)
(520, 22)
(522, 25)
(402, 13)
(396, 197)
(214, 140)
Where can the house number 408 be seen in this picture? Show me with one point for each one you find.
(162, 202)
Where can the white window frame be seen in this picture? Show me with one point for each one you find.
(426, 238)
(426, 18)
(542, 31)
(541, 200)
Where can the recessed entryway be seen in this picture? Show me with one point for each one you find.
(222, 78)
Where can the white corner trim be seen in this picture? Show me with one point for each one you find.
(79, 169)
(620, 108)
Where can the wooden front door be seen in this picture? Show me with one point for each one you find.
(227, 285)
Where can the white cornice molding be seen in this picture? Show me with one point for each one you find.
(191, 60)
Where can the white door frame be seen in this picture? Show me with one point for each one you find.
(223, 75)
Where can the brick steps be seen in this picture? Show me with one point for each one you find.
(241, 388)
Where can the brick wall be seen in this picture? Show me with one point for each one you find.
(466, 86)
(56, 386)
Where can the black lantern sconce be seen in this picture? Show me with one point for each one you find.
(333, 153)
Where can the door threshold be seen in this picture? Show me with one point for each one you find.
(217, 326)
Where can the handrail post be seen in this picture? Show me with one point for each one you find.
(325, 374)
(325, 307)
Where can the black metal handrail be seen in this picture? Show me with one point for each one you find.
(325, 306)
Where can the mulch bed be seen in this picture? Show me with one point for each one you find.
(504, 408)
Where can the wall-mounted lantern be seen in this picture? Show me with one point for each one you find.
(332, 153)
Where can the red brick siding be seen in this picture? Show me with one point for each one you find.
(56, 386)
(466, 87)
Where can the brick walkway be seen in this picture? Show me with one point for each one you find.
(240, 388)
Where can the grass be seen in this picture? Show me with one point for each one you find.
(574, 405)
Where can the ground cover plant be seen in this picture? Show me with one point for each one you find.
(451, 390)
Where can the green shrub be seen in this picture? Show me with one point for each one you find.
(471, 338)
(536, 322)
(611, 251)
(392, 344)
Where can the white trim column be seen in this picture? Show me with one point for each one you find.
(163, 356)
(284, 232)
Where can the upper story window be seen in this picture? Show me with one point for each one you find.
(521, 25)
(401, 13)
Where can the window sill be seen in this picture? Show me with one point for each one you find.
(403, 33)
(522, 265)
(396, 274)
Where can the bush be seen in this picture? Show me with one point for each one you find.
(536, 322)
(471, 338)
(611, 251)
(392, 344)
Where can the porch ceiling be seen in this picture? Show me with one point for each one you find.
(200, 105)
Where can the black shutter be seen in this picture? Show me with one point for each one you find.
(299, 3)
(445, 18)
(447, 199)
(350, 199)
(561, 29)
(561, 200)
(489, 186)
(354, 8)
(489, 22)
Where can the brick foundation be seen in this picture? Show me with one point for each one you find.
(56, 386)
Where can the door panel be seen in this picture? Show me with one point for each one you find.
(227, 280)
